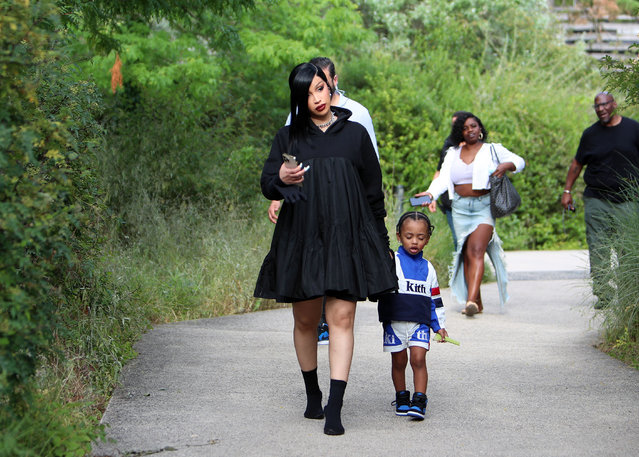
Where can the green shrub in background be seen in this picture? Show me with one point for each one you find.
(161, 151)
(621, 316)
(65, 324)
(50, 214)
(465, 29)
(38, 212)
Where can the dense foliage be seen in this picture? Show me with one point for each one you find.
(49, 215)
(621, 315)
(47, 126)
(213, 117)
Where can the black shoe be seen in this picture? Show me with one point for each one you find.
(333, 409)
(314, 408)
(402, 402)
(333, 425)
(418, 406)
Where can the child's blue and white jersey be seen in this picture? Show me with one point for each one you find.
(418, 298)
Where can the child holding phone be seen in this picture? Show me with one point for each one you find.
(408, 315)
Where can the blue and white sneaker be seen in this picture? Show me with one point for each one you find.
(402, 402)
(418, 406)
(322, 334)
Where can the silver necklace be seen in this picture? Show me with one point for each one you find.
(328, 123)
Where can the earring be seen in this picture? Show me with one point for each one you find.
(481, 135)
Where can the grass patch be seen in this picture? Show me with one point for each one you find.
(621, 316)
(49, 426)
(624, 349)
(193, 262)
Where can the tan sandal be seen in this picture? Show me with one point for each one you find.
(471, 308)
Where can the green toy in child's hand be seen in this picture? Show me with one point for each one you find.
(438, 337)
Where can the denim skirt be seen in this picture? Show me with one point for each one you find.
(468, 213)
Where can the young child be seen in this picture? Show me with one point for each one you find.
(408, 315)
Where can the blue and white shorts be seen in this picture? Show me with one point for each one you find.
(399, 335)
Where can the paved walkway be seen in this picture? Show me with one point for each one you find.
(525, 382)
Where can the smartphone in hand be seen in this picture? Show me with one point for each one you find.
(418, 201)
(290, 160)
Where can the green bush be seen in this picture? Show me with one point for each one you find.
(42, 178)
(164, 150)
(49, 427)
(51, 218)
(621, 315)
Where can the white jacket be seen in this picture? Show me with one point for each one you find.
(483, 166)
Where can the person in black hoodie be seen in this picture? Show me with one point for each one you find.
(330, 241)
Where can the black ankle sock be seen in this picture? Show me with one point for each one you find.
(333, 410)
(314, 408)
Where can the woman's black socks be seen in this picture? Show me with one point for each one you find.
(333, 410)
(314, 408)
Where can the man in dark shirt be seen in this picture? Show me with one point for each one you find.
(610, 151)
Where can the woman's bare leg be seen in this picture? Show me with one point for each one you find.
(306, 315)
(474, 251)
(340, 316)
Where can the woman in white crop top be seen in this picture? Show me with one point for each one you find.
(465, 176)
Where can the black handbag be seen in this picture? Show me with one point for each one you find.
(504, 199)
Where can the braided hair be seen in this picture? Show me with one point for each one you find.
(416, 216)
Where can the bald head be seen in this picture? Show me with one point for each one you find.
(605, 107)
(606, 94)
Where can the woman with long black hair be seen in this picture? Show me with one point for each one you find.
(330, 242)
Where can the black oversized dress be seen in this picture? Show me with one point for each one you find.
(335, 242)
